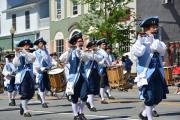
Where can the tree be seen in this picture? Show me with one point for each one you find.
(106, 19)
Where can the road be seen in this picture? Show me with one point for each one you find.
(126, 106)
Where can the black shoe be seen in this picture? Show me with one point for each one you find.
(21, 110)
(27, 114)
(44, 105)
(142, 117)
(11, 104)
(88, 105)
(82, 116)
(109, 97)
(93, 109)
(14, 102)
(77, 117)
(155, 114)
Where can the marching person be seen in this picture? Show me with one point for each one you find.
(76, 58)
(111, 57)
(150, 74)
(103, 64)
(40, 67)
(9, 72)
(54, 60)
(91, 69)
(24, 77)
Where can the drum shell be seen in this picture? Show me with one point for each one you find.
(117, 79)
(58, 82)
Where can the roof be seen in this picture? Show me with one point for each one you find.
(26, 2)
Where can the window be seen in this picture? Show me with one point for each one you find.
(75, 7)
(58, 10)
(14, 21)
(27, 19)
(60, 46)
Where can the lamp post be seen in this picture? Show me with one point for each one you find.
(12, 31)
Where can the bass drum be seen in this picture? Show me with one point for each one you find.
(57, 80)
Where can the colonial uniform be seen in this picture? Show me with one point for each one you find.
(9, 72)
(40, 66)
(104, 83)
(92, 73)
(75, 57)
(24, 78)
(150, 73)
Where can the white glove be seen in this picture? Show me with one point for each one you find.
(42, 69)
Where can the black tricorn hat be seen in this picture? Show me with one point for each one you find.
(25, 42)
(10, 55)
(40, 40)
(90, 44)
(75, 37)
(154, 20)
(99, 42)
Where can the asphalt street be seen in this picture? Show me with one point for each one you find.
(126, 106)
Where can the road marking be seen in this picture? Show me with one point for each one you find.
(170, 104)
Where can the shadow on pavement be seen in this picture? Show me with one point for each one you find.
(39, 114)
(115, 108)
(9, 109)
(170, 114)
(109, 118)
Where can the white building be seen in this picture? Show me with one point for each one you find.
(30, 18)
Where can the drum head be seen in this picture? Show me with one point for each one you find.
(56, 71)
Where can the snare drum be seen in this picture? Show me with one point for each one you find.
(57, 80)
(118, 79)
(114, 76)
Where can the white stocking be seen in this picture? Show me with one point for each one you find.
(74, 109)
(42, 95)
(102, 93)
(91, 100)
(81, 107)
(24, 105)
(14, 94)
(149, 112)
(108, 90)
(144, 113)
(9, 96)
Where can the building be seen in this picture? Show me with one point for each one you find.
(29, 18)
(169, 27)
(169, 14)
(64, 16)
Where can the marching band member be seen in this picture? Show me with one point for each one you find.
(150, 74)
(111, 57)
(91, 69)
(54, 60)
(24, 77)
(104, 83)
(41, 65)
(9, 72)
(76, 58)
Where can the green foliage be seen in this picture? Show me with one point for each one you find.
(105, 19)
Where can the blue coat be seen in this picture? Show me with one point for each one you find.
(42, 61)
(152, 72)
(24, 76)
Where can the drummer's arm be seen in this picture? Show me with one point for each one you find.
(63, 58)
